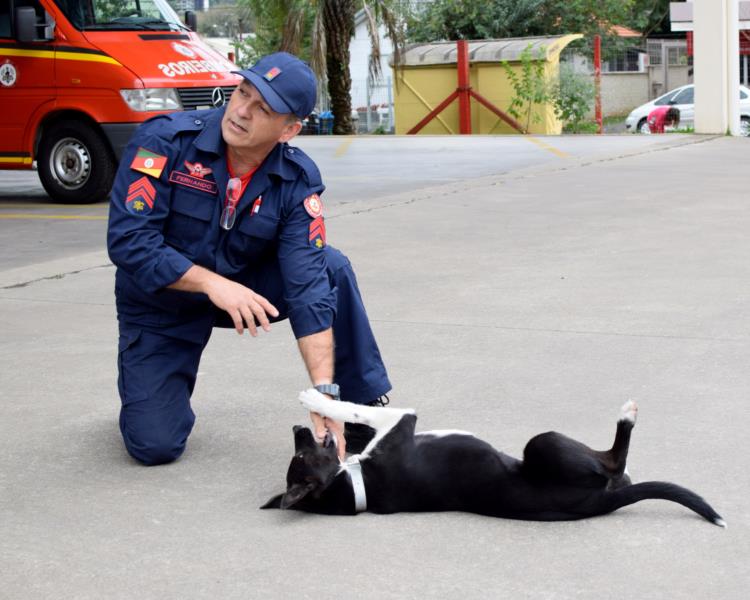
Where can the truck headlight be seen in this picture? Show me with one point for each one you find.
(152, 99)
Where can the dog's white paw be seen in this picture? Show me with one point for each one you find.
(313, 400)
(629, 411)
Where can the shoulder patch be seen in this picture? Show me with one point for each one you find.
(148, 162)
(317, 235)
(313, 206)
(141, 197)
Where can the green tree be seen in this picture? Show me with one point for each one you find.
(321, 30)
(530, 86)
(470, 20)
(573, 96)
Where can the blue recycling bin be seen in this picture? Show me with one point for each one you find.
(325, 126)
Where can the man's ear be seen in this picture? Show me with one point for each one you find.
(295, 493)
(274, 502)
(290, 131)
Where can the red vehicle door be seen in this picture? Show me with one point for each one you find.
(27, 82)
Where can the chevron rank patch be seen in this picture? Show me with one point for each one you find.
(141, 197)
(317, 235)
(148, 162)
(314, 206)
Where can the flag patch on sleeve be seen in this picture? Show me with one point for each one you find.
(148, 162)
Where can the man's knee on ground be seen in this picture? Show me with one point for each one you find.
(152, 450)
(155, 443)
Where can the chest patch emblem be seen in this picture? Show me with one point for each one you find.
(198, 170)
(314, 206)
(148, 162)
(191, 181)
(317, 235)
(141, 197)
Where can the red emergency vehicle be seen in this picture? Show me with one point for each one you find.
(78, 76)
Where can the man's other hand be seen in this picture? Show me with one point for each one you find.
(323, 425)
(242, 304)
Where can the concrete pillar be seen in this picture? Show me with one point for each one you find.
(716, 66)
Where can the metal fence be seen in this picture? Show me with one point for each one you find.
(372, 105)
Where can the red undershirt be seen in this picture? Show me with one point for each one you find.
(245, 179)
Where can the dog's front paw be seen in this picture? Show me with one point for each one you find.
(313, 400)
(629, 411)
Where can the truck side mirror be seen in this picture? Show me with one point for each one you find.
(191, 20)
(25, 24)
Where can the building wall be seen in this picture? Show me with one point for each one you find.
(359, 50)
(622, 92)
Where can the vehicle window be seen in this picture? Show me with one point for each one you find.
(666, 98)
(743, 95)
(4, 18)
(120, 15)
(686, 96)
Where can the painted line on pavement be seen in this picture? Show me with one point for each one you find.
(344, 146)
(22, 216)
(546, 146)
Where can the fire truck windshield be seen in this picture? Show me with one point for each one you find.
(120, 15)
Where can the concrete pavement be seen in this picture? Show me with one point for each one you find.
(505, 305)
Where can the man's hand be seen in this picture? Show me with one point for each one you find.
(321, 425)
(242, 304)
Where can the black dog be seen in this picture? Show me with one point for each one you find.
(559, 478)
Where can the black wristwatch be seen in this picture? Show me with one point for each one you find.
(331, 389)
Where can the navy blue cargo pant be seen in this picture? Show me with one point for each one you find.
(157, 371)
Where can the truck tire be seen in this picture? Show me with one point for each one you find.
(75, 164)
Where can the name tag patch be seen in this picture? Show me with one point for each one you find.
(197, 183)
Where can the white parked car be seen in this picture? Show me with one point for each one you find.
(682, 99)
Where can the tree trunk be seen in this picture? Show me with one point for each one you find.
(338, 20)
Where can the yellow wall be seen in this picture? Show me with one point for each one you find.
(420, 89)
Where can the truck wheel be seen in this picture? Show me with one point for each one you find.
(75, 164)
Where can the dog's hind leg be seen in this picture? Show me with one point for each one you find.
(553, 457)
(615, 458)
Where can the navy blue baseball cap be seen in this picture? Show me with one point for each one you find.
(286, 83)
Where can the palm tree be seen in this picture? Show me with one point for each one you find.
(332, 27)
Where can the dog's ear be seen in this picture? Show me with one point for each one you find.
(295, 493)
(274, 502)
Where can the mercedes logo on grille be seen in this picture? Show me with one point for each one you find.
(218, 98)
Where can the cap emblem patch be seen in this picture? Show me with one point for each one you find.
(271, 74)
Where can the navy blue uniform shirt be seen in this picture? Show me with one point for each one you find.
(164, 217)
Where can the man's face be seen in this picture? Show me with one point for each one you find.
(250, 123)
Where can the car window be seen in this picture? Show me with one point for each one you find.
(4, 18)
(743, 95)
(666, 98)
(686, 96)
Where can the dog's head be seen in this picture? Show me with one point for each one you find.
(311, 471)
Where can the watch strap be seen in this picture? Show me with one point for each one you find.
(331, 389)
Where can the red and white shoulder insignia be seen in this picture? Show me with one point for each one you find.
(314, 206)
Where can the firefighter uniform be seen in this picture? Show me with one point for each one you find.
(167, 201)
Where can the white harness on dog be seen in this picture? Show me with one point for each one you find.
(354, 468)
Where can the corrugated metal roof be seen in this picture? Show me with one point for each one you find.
(510, 49)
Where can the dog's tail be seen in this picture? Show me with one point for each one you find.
(663, 491)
